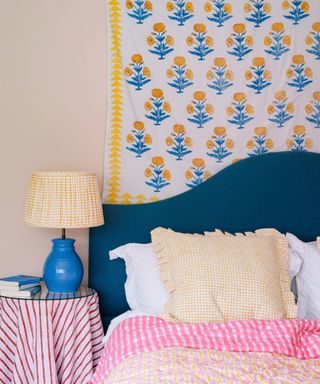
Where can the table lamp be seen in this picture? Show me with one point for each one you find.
(63, 200)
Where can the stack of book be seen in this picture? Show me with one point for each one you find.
(20, 286)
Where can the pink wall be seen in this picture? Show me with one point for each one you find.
(52, 101)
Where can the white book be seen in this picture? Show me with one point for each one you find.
(24, 293)
(17, 288)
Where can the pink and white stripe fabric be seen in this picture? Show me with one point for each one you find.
(49, 341)
(294, 338)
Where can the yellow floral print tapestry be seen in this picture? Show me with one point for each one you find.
(195, 86)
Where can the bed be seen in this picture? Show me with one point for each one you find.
(278, 190)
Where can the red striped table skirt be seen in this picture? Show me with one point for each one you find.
(49, 341)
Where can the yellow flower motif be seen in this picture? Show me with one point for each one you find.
(129, 4)
(209, 109)
(150, 40)
(190, 109)
(239, 28)
(260, 131)
(188, 174)
(170, 73)
(248, 75)
(179, 61)
(239, 97)
(277, 27)
(199, 28)
(309, 109)
(188, 142)
(189, 74)
(179, 128)
(267, 41)
(285, 5)
(148, 139)
(148, 172)
(249, 109)
(148, 5)
(146, 71)
(308, 143)
(247, 7)
(169, 40)
(309, 40)
(199, 95)
(250, 144)
(157, 93)
(219, 131)
(166, 107)
(229, 42)
(271, 109)
(167, 174)
(267, 7)
(219, 61)
(230, 111)
(209, 41)
(267, 75)
(136, 58)
(249, 41)
(229, 75)
(169, 141)
(316, 27)
(210, 75)
(280, 95)
(159, 27)
(305, 6)
(207, 175)
(229, 144)
(208, 7)
(189, 7)
(128, 71)
(148, 106)
(157, 161)
(298, 59)
(199, 163)
(130, 138)
(269, 143)
(170, 6)
(289, 73)
(228, 8)
(258, 61)
(287, 40)
(308, 72)
(190, 40)
(316, 96)
(289, 143)
(210, 144)
(299, 130)
(138, 125)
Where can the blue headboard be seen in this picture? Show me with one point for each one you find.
(278, 190)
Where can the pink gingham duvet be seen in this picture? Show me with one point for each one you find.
(146, 350)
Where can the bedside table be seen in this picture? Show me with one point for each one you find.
(51, 338)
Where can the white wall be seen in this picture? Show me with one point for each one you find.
(52, 112)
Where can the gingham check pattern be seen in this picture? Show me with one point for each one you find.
(142, 335)
(282, 253)
(219, 278)
(63, 200)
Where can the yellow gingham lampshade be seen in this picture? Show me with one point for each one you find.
(63, 200)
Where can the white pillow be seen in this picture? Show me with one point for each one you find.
(144, 289)
(304, 264)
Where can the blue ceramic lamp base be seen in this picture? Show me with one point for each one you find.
(63, 270)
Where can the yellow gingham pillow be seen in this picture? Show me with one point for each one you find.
(218, 278)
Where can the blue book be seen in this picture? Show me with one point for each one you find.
(24, 293)
(19, 280)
